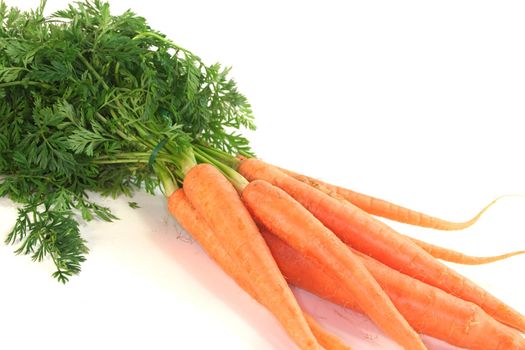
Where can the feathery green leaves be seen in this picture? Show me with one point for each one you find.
(85, 99)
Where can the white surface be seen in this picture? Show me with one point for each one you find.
(420, 103)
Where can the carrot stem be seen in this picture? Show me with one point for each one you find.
(187, 160)
(237, 180)
(222, 156)
(167, 179)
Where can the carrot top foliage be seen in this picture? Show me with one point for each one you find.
(93, 102)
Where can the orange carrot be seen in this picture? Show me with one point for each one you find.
(385, 209)
(325, 338)
(458, 257)
(376, 239)
(191, 221)
(217, 201)
(282, 215)
(428, 309)
(395, 212)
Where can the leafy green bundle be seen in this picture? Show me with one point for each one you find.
(90, 101)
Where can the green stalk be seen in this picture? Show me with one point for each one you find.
(130, 157)
(167, 179)
(169, 184)
(237, 180)
(161, 38)
(93, 71)
(245, 154)
(138, 155)
(222, 156)
(187, 160)
(25, 83)
(119, 161)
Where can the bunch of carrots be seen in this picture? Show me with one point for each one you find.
(92, 102)
(271, 226)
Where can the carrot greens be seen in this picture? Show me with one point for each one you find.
(93, 102)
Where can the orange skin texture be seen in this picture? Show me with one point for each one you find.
(219, 205)
(428, 309)
(191, 221)
(283, 216)
(374, 238)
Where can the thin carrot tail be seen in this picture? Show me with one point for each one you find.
(379, 207)
(450, 255)
(468, 223)
(483, 210)
(326, 339)
(451, 226)
(446, 225)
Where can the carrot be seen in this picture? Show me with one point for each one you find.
(398, 213)
(325, 338)
(282, 215)
(374, 238)
(428, 309)
(458, 257)
(217, 201)
(191, 221)
(395, 212)
(385, 209)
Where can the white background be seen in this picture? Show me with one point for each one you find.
(421, 103)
